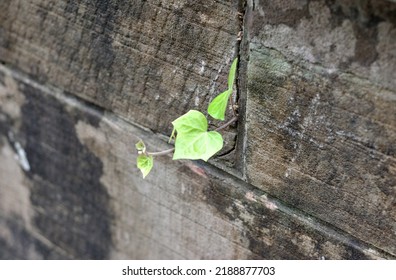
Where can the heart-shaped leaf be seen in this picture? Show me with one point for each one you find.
(145, 163)
(140, 146)
(193, 140)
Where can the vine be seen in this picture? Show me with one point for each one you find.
(190, 131)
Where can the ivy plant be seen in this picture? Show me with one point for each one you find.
(218, 106)
(193, 140)
(190, 131)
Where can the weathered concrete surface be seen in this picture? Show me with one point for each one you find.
(69, 189)
(317, 129)
(129, 57)
(321, 111)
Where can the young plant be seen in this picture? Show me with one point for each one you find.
(190, 131)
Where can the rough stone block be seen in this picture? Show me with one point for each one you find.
(321, 111)
(147, 61)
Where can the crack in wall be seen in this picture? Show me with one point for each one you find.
(241, 86)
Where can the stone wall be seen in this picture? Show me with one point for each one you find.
(307, 172)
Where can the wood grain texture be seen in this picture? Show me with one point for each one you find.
(321, 111)
(148, 61)
(81, 197)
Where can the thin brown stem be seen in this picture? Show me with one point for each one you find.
(161, 153)
(227, 124)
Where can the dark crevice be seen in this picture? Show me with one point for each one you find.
(240, 36)
(241, 77)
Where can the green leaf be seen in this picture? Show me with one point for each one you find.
(193, 141)
(218, 106)
(198, 145)
(145, 163)
(191, 121)
(140, 146)
(231, 75)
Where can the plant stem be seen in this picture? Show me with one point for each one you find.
(227, 124)
(161, 153)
